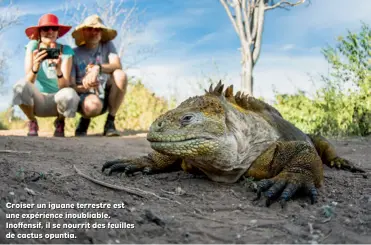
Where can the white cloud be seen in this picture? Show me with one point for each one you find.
(288, 47)
(321, 14)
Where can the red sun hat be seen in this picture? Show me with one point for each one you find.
(32, 32)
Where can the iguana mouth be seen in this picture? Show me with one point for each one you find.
(175, 140)
(190, 147)
(155, 137)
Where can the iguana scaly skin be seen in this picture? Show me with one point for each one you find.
(227, 136)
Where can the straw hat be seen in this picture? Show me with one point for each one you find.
(94, 21)
(32, 32)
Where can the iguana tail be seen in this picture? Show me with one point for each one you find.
(329, 156)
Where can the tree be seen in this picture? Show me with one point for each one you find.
(9, 16)
(115, 15)
(247, 17)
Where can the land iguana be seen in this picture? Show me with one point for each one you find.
(227, 136)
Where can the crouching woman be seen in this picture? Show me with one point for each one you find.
(45, 91)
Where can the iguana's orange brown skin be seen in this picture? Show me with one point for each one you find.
(228, 136)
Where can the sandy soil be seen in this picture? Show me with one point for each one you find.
(186, 208)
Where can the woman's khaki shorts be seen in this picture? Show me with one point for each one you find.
(64, 102)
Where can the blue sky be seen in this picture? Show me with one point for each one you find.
(195, 39)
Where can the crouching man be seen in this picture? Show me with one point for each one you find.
(97, 74)
(45, 91)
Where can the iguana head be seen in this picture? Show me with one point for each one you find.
(220, 133)
(216, 123)
(194, 128)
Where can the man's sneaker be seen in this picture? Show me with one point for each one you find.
(33, 127)
(59, 128)
(110, 129)
(82, 128)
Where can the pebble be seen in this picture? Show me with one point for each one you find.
(179, 191)
(30, 191)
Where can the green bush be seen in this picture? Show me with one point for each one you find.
(343, 106)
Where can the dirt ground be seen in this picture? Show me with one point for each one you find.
(186, 208)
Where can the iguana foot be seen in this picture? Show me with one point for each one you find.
(296, 166)
(128, 166)
(341, 163)
(150, 164)
(284, 188)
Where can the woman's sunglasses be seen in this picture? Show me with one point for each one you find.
(47, 28)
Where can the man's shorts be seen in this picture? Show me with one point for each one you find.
(104, 100)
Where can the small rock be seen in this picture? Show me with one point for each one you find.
(111, 232)
(303, 205)
(315, 237)
(334, 203)
(58, 174)
(253, 221)
(30, 191)
(327, 211)
(179, 191)
(150, 216)
(11, 193)
(238, 236)
(22, 198)
(347, 220)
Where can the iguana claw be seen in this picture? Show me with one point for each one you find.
(342, 163)
(126, 166)
(282, 190)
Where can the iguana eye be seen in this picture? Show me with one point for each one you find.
(187, 119)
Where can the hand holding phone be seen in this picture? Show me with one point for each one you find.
(52, 53)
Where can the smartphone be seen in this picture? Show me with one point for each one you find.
(53, 53)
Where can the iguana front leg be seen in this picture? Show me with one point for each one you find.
(152, 163)
(285, 168)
